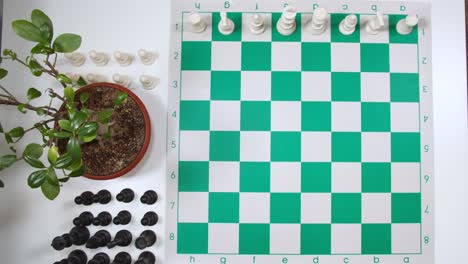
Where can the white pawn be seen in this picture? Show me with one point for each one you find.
(123, 80)
(319, 21)
(148, 82)
(147, 57)
(257, 24)
(198, 25)
(406, 25)
(99, 58)
(226, 26)
(287, 23)
(375, 24)
(73, 76)
(95, 78)
(76, 59)
(348, 25)
(122, 58)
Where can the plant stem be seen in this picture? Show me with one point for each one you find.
(47, 110)
(39, 124)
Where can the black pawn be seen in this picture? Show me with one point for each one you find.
(122, 258)
(85, 198)
(78, 235)
(126, 196)
(100, 258)
(100, 239)
(75, 257)
(123, 218)
(102, 219)
(102, 197)
(146, 239)
(123, 238)
(146, 258)
(84, 219)
(149, 197)
(149, 219)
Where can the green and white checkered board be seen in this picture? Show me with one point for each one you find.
(300, 145)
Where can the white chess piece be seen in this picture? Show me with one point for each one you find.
(226, 26)
(197, 22)
(99, 58)
(348, 25)
(95, 78)
(76, 59)
(287, 23)
(148, 82)
(257, 24)
(406, 25)
(147, 57)
(123, 80)
(73, 76)
(319, 21)
(375, 24)
(122, 58)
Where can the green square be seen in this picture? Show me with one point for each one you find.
(375, 57)
(294, 37)
(286, 146)
(346, 147)
(192, 238)
(236, 35)
(224, 146)
(316, 56)
(315, 177)
(404, 87)
(255, 116)
(406, 147)
(254, 239)
(194, 115)
(223, 208)
(286, 86)
(376, 239)
(337, 36)
(256, 56)
(375, 117)
(316, 116)
(346, 86)
(406, 208)
(255, 177)
(196, 56)
(225, 85)
(346, 208)
(396, 37)
(315, 239)
(376, 177)
(285, 208)
(193, 176)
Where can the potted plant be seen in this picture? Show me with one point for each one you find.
(100, 130)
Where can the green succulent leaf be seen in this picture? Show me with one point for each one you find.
(35, 67)
(35, 163)
(40, 112)
(67, 43)
(50, 191)
(42, 48)
(33, 150)
(105, 115)
(52, 155)
(6, 161)
(65, 125)
(10, 53)
(60, 134)
(43, 22)
(74, 149)
(52, 176)
(84, 97)
(3, 73)
(64, 79)
(69, 94)
(78, 119)
(88, 129)
(33, 93)
(16, 132)
(121, 97)
(27, 31)
(81, 81)
(20, 108)
(78, 172)
(64, 161)
(37, 178)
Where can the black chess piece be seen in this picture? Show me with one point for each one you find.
(146, 239)
(85, 198)
(146, 258)
(75, 257)
(100, 258)
(122, 258)
(100, 239)
(102, 219)
(149, 219)
(123, 238)
(84, 219)
(149, 197)
(126, 195)
(78, 235)
(102, 197)
(123, 218)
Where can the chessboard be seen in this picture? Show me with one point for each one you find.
(312, 145)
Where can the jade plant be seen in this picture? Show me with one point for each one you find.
(61, 116)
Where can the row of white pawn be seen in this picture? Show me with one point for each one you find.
(148, 82)
(101, 58)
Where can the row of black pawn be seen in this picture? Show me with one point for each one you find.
(79, 257)
(104, 197)
(105, 218)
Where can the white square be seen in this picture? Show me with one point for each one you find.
(315, 208)
(194, 145)
(286, 116)
(196, 85)
(285, 177)
(316, 146)
(346, 116)
(375, 87)
(189, 35)
(405, 117)
(404, 58)
(286, 56)
(346, 57)
(346, 177)
(376, 208)
(316, 86)
(406, 177)
(254, 208)
(255, 146)
(193, 207)
(225, 115)
(376, 147)
(382, 37)
(285, 239)
(224, 177)
(308, 37)
(247, 35)
(406, 238)
(226, 56)
(255, 86)
(223, 238)
(346, 238)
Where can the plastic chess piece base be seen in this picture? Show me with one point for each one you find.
(146, 258)
(122, 258)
